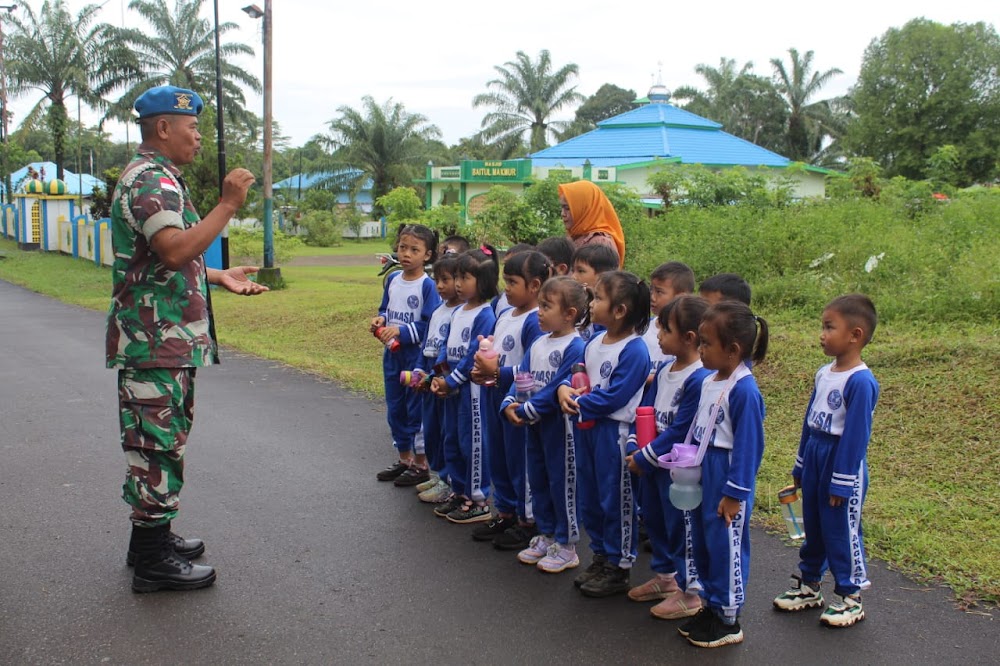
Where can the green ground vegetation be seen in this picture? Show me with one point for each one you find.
(934, 469)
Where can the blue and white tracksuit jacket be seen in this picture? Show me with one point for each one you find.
(721, 553)
(832, 460)
(409, 305)
(430, 440)
(512, 335)
(549, 437)
(674, 397)
(466, 446)
(617, 375)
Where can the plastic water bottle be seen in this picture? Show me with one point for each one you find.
(580, 380)
(393, 345)
(486, 351)
(524, 386)
(685, 474)
(791, 511)
(412, 378)
(645, 425)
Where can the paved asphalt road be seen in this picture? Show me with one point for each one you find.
(318, 563)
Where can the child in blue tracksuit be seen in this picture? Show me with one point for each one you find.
(589, 262)
(617, 365)
(832, 469)
(673, 395)
(730, 421)
(435, 489)
(550, 442)
(408, 302)
(515, 330)
(466, 443)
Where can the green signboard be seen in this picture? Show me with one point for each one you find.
(496, 170)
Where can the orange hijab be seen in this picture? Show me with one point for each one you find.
(592, 212)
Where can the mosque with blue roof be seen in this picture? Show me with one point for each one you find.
(625, 149)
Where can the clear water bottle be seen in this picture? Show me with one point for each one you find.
(685, 474)
(524, 386)
(791, 511)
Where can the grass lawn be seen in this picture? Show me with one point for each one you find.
(933, 457)
(348, 248)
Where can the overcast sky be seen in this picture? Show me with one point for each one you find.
(435, 56)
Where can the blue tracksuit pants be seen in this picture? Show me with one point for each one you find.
(506, 459)
(432, 413)
(833, 533)
(664, 522)
(551, 459)
(607, 503)
(402, 405)
(466, 446)
(721, 552)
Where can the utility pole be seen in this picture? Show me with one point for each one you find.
(220, 134)
(4, 166)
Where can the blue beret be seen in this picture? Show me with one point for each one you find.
(168, 100)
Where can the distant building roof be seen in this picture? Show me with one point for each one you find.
(658, 131)
(73, 181)
(342, 178)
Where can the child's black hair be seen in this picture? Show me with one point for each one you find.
(629, 290)
(517, 249)
(599, 257)
(734, 322)
(858, 310)
(483, 264)
(460, 243)
(686, 311)
(680, 275)
(426, 234)
(559, 250)
(528, 266)
(730, 285)
(571, 294)
(446, 264)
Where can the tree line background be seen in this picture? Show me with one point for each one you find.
(926, 105)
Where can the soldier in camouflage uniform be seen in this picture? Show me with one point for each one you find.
(160, 326)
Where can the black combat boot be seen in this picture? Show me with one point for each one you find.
(159, 567)
(186, 548)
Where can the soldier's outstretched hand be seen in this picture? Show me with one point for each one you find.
(235, 279)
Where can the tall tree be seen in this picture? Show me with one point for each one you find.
(747, 105)
(524, 98)
(607, 102)
(387, 143)
(64, 56)
(806, 121)
(178, 49)
(927, 85)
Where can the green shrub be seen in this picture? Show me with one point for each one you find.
(248, 244)
(323, 228)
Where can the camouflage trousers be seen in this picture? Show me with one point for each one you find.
(156, 409)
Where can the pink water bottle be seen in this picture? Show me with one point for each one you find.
(645, 426)
(412, 378)
(486, 351)
(580, 380)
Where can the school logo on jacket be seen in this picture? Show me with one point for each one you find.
(587, 333)
(508, 343)
(413, 301)
(720, 417)
(443, 331)
(466, 334)
(555, 359)
(676, 400)
(834, 399)
(605, 369)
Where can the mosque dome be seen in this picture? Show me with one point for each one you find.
(658, 94)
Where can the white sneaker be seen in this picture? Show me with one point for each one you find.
(559, 558)
(800, 595)
(537, 549)
(844, 612)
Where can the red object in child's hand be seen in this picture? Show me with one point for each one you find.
(393, 345)
(580, 380)
(645, 426)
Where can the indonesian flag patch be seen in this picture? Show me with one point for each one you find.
(168, 185)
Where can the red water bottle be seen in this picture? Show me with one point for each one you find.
(645, 426)
(580, 380)
(393, 345)
(487, 351)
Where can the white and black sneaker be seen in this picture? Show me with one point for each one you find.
(800, 596)
(843, 612)
(715, 633)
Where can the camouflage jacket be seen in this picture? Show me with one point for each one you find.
(159, 318)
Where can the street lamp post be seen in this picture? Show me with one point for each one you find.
(3, 112)
(220, 133)
(269, 274)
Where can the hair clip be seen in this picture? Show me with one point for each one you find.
(485, 250)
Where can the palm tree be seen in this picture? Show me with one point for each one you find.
(525, 97)
(179, 49)
(805, 120)
(385, 142)
(63, 56)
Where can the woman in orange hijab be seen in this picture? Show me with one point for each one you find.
(590, 218)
